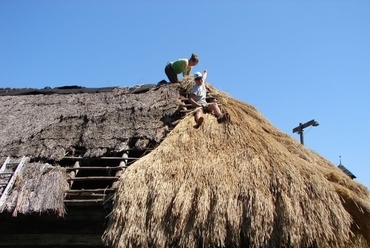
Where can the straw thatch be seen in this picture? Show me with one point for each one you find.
(39, 188)
(50, 126)
(241, 184)
(47, 126)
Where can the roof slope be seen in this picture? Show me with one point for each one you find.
(241, 184)
(50, 126)
(40, 188)
(244, 183)
(47, 125)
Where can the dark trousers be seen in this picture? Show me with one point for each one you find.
(172, 76)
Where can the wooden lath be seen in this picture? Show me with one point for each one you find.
(88, 196)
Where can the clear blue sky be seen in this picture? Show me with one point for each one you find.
(293, 60)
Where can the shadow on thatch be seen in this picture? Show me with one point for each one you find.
(241, 184)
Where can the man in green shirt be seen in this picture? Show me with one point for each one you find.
(180, 66)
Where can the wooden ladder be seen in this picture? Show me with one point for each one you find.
(8, 175)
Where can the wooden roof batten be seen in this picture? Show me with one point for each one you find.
(103, 173)
(77, 195)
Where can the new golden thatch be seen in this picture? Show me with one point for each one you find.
(241, 184)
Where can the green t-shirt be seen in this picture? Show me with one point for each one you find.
(181, 66)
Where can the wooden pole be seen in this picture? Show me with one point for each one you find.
(73, 173)
(122, 164)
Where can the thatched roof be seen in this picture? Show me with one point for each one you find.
(241, 184)
(48, 126)
(39, 188)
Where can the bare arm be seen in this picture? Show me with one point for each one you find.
(192, 101)
(205, 73)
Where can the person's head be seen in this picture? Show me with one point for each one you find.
(198, 78)
(193, 59)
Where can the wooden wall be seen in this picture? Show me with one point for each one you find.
(82, 226)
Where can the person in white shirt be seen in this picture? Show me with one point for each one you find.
(198, 99)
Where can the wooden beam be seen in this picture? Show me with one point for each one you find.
(90, 190)
(73, 173)
(95, 168)
(100, 158)
(92, 178)
(123, 163)
(84, 201)
(50, 239)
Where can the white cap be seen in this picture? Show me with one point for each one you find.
(197, 75)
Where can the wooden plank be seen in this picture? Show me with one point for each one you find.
(96, 168)
(123, 163)
(127, 149)
(138, 150)
(91, 190)
(84, 200)
(73, 173)
(92, 178)
(85, 195)
(101, 158)
(50, 239)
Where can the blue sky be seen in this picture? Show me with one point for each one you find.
(293, 60)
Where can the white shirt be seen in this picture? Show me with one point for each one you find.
(200, 93)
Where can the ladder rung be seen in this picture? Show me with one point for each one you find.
(3, 184)
(6, 173)
(12, 163)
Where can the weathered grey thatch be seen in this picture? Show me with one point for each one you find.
(241, 184)
(50, 126)
(47, 127)
(39, 189)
